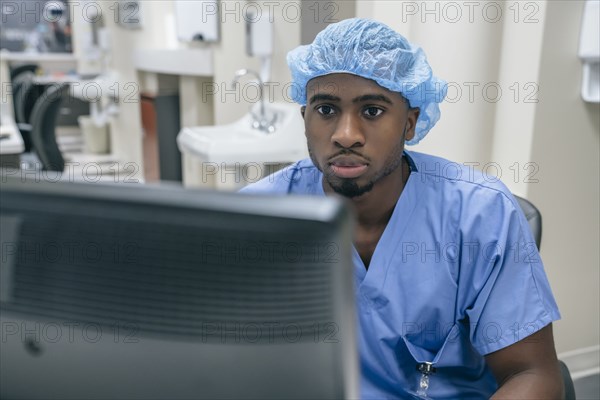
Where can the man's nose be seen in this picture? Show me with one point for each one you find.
(348, 132)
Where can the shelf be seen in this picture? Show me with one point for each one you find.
(192, 62)
(37, 57)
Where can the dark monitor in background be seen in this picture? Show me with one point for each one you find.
(135, 292)
(37, 26)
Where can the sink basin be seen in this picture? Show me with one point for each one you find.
(240, 143)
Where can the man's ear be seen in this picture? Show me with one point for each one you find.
(412, 117)
(302, 110)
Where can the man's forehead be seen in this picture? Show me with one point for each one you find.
(337, 83)
(339, 77)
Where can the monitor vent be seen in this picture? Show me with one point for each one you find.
(175, 280)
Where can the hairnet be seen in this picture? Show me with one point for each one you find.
(374, 51)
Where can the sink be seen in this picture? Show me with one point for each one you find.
(240, 143)
(233, 147)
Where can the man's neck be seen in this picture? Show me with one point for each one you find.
(374, 209)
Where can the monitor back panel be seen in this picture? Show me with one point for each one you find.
(107, 295)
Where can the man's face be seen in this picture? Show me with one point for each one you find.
(355, 130)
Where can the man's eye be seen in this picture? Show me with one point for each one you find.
(325, 110)
(373, 111)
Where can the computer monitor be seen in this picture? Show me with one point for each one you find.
(137, 292)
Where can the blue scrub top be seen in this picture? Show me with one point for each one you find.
(456, 275)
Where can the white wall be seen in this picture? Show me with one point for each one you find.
(230, 55)
(518, 76)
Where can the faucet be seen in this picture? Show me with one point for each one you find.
(260, 122)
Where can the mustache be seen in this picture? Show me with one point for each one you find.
(348, 152)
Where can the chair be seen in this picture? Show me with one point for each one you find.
(24, 95)
(534, 218)
(16, 71)
(43, 123)
(24, 98)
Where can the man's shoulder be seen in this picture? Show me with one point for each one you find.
(467, 183)
(300, 176)
(462, 175)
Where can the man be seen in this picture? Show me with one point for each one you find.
(452, 299)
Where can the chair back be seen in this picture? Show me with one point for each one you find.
(16, 71)
(534, 217)
(43, 124)
(23, 88)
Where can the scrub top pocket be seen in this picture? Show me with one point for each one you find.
(427, 361)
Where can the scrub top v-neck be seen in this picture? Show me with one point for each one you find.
(391, 235)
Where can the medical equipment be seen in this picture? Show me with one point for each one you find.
(589, 52)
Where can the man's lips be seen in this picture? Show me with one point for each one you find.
(348, 166)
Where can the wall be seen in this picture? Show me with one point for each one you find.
(230, 56)
(125, 128)
(518, 75)
(317, 14)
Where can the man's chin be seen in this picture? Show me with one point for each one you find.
(349, 188)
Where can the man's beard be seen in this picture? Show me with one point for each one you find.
(348, 187)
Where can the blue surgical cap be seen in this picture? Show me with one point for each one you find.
(374, 51)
